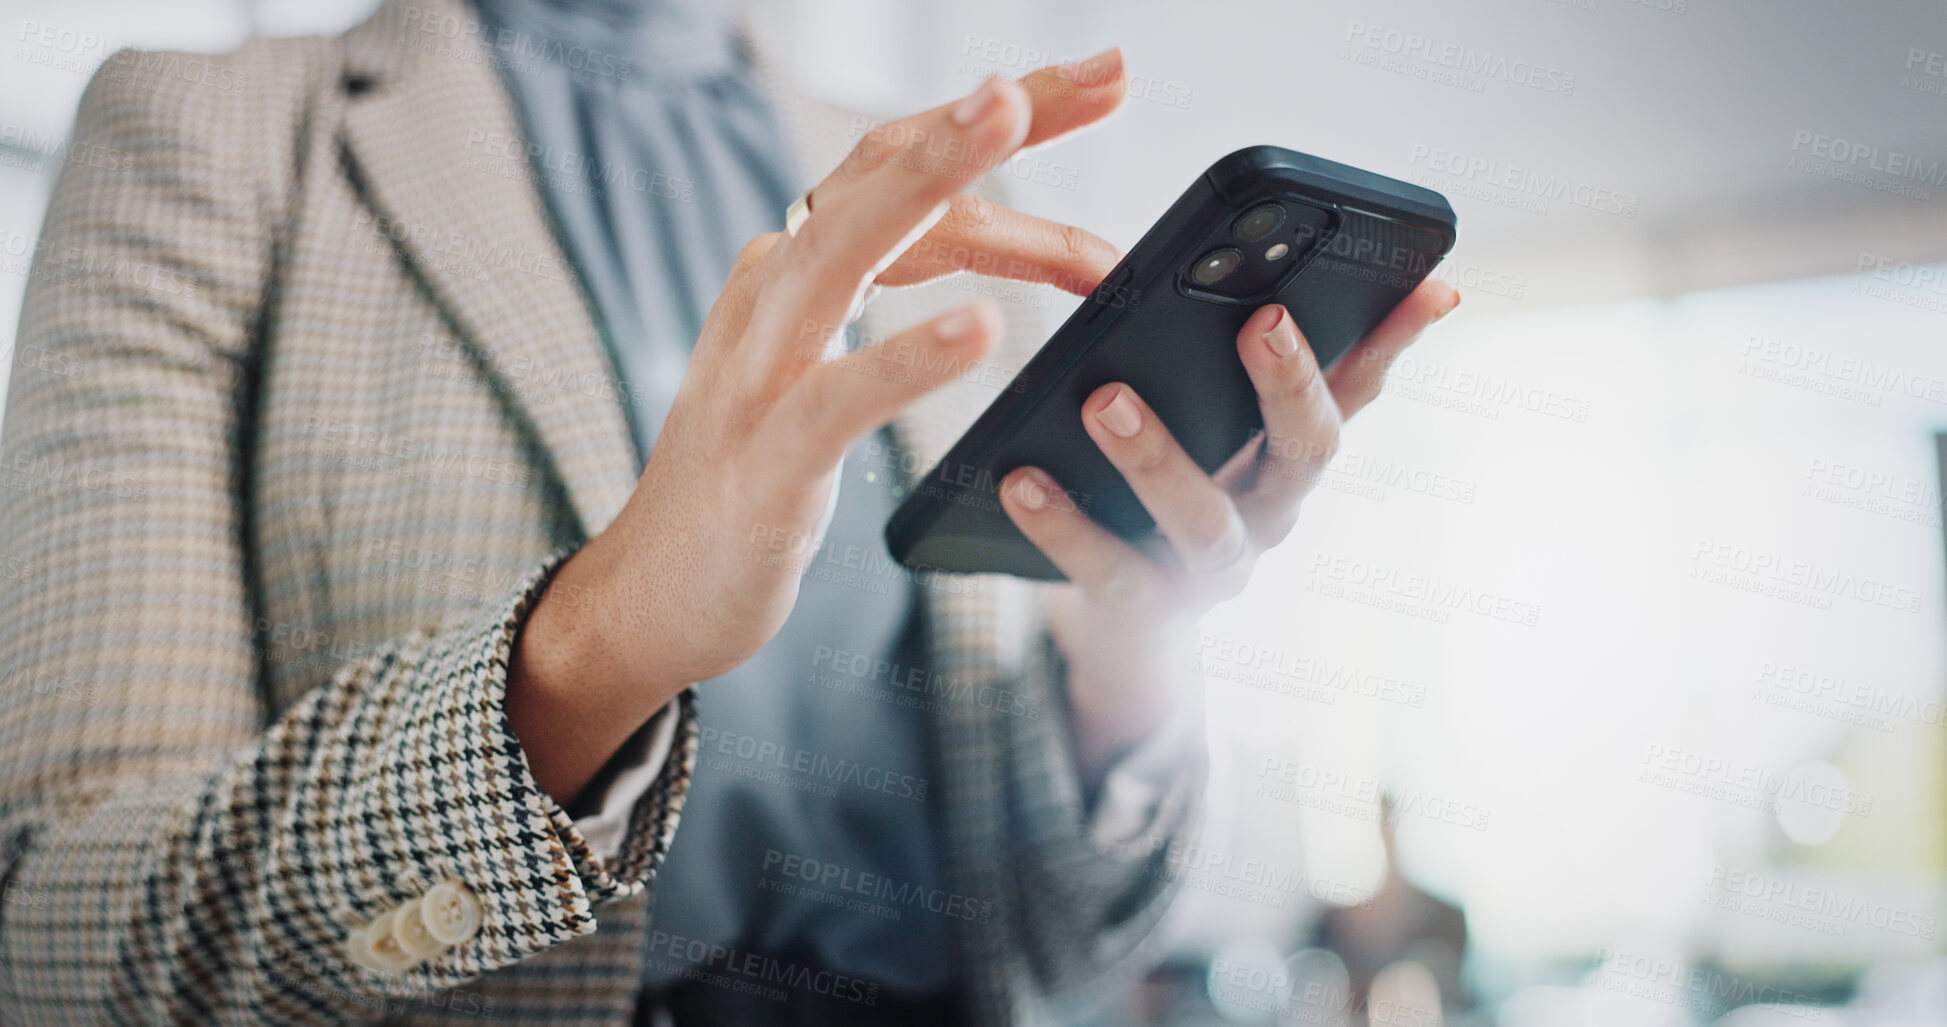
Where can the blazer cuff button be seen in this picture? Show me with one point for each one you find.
(374, 948)
(409, 930)
(451, 912)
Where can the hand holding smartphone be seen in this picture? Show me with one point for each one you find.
(1337, 246)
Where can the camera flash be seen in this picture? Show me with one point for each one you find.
(1277, 251)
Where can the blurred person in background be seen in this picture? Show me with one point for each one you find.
(1402, 922)
(445, 500)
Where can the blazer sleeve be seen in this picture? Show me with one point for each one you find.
(1088, 899)
(173, 851)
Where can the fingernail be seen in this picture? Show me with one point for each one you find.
(976, 105)
(1282, 336)
(958, 327)
(1450, 309)
(1121, 415)
(1029, 491)
(1096, 70)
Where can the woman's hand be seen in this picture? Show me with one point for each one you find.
(1127, 623)
(701, 567)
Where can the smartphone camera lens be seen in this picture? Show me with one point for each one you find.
(1216, 265)
(1259, 222)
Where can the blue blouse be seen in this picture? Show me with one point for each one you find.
(812, 805)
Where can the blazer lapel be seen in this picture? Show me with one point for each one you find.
(433, 139)
(434, 143)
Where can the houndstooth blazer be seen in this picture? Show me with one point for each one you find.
(306, 405)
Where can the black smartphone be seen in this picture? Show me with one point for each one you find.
(1339, 247)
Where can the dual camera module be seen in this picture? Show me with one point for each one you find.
(1258, 248)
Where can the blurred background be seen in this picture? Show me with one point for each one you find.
(1603, 680)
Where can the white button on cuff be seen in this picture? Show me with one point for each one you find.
(374, 947)
(451, 912)
(409, 930)
(358, 950)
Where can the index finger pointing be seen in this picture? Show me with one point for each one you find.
(1059, 100)
(1074, 95)
(886, 193)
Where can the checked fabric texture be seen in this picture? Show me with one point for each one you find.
(306, 406)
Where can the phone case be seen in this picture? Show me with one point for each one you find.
(1359, 242)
